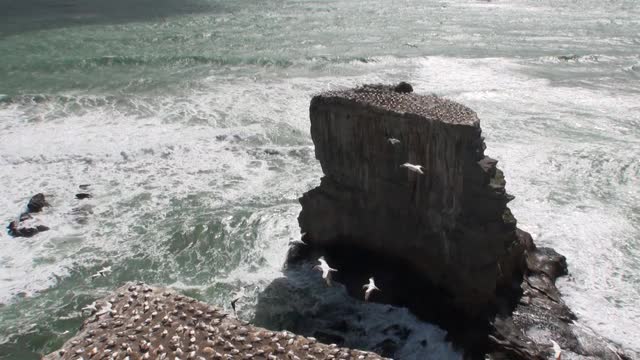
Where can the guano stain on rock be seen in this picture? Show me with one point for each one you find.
(141, 322)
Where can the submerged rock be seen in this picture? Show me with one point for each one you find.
(37, 203)
(82, 196)
(24, 226)
(438, 238)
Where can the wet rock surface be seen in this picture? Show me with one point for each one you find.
(442, 243)
(143, 322)
(26, 225)
(37, 203)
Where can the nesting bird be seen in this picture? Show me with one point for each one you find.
(106, 308)
(397, 100)
(369, 288)
(414, 168)
(326, 270)
(297, 242)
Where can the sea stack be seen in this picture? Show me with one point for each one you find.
(439, 238)
(451, 225)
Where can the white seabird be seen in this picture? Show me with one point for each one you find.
(237, 296)
(102, 272)
(557, 350)
(393, 141)
(369, 288)
(326, 270)
(107, 307)
(91, 307)
(414, 168)
(297, 242)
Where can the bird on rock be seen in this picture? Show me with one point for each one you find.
(393, 141)
(369, 289)
(414, 168)
(326, 270)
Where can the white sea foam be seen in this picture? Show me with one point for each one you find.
(198, 190)
(570, 157)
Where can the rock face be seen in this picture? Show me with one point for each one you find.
(440, 241)
(450, 224)
(36, 203)
(24, 226)
(142, 322)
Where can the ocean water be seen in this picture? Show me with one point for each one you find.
(190, 121)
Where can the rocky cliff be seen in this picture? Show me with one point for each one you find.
(409, 197)
(450, 223)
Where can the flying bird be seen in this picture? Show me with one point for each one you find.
(393, 141)
(369, 289)
(414, 168)
(102, 272)
(238, 295)
(91, 308)
(557, 350)
(297, 242)
(106, 308)
(326, 270)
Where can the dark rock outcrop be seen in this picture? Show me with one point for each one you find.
(16, 229)
(37, 203)
(23, 227)
(442, 243)
(82, 196)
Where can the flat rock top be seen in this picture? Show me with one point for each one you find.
(383, 97)
(142, 322)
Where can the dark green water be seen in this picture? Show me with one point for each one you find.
(189, 119)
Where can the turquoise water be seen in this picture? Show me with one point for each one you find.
(190, 120)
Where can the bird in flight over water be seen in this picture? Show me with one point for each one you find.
(369, 288)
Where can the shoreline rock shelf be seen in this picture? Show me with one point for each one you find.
(143, 322)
